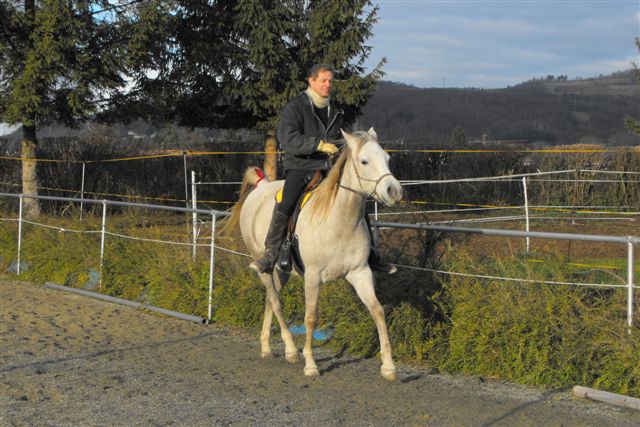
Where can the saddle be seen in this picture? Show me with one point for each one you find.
(289, 255)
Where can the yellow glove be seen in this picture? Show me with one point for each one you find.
(327, 147)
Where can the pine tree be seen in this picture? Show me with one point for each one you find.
(187, 61)
(281, 40)
(60, 60)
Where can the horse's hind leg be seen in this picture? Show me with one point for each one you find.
(273, 285)
(362, 282)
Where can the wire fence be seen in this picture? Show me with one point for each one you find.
(629, 241)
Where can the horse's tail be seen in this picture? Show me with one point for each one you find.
(252, 176)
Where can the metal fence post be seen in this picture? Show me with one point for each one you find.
(374, 230)
(630, 286)
(19, 234)
(104, 222)
(186, 182)
(526, 208)
(82, 189)
(211, 262)
(194, 215)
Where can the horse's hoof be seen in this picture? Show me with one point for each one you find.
(291, 357)
(388, 374)
(266, 355)
(311, 372)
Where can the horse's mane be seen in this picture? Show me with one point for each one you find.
(324, 196)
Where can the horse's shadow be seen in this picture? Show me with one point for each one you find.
(337, 360)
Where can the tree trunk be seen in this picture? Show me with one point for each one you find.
(270, 163)
(31, 207)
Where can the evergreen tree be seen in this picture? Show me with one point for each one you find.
(187, 61)
(60, 61)
(281, 40)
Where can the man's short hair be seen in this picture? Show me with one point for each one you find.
(316, 68)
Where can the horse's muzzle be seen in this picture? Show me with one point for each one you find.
(390, 191)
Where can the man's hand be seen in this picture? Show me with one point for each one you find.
(327, 147)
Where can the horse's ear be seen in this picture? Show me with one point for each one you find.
(372, 133)
(347, 137)
(351, 140)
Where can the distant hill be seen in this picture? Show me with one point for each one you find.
(550, 110)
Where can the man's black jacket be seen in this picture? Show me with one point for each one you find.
(300, 131)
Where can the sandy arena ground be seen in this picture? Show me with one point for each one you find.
(68, 360)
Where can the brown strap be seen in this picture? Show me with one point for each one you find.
(317, 177)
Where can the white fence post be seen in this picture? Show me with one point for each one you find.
(104, 223)
(211, 261)
(194, 215)
(526, 208)
(186, 181)
(19, 234)
(374, 232)
(630, 286)
(82, 189)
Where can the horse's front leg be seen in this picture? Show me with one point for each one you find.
(311, 290)
(273, 284)
(362, 282)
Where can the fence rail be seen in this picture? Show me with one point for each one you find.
(630, 241)
(103, 232)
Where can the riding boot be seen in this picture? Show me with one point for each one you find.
(272, 243)
(375, 262)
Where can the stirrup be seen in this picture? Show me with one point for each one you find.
(262, 265)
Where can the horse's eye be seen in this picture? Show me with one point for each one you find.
(364, 162)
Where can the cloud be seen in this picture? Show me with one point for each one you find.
(466, 41)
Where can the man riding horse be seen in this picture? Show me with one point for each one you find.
(306, 125)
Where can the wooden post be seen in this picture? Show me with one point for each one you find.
(270, 164)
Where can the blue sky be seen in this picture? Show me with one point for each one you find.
(493, 44)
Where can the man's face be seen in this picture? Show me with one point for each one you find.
(322, 84)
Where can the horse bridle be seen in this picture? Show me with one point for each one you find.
(374, 194)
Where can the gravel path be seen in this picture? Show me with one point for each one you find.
(71, 360)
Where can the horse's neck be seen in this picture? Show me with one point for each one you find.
(348, 206)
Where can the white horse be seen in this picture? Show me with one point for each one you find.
(334, 241)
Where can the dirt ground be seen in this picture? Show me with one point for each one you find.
(71, 360)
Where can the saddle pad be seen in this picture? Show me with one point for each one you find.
(304, 200)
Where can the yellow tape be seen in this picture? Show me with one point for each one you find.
(540, 209)
(175, 153)
(40, 160)
(575, 264)
(610, 150)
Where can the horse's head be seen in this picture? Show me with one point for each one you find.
(370, 164)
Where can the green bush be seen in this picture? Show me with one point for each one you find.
(554, 335)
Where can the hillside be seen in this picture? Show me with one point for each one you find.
(550, 110)
(545, 111)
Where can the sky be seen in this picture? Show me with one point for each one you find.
(495, 44)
